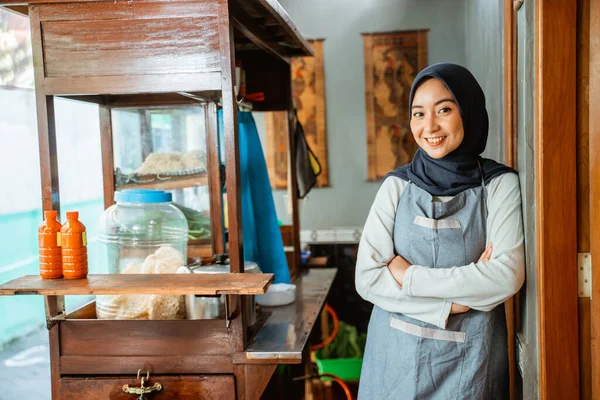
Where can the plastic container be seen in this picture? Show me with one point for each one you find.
(347, 369)
(49, 242)
(74, 240)
(213, 307)
(140, 223)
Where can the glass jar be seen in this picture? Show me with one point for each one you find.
(142, 233)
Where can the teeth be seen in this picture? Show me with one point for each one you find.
(436, 140)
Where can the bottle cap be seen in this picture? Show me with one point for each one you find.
(50, 214)
(72, 214)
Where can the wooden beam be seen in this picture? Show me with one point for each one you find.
(293, 191)
(277, 11)
(510, 85)
(257, 35)
(21, 10)
(232, 171)
(214, 179)
(583, 188)
(510, 159)
(594, 175)
(556, 198)
(108, 164)
(132, 84)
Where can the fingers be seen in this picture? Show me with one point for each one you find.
(487, 253)
(458, 309)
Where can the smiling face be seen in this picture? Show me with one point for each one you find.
(435, 121)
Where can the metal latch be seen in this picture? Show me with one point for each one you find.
(584, 274)
(142, 390)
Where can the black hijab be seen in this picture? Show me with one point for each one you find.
(459, 170)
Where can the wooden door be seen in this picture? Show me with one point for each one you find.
(590, 193)
(541, 139)
(556, 198)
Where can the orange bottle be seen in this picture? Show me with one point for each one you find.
(49, 243)
(74, 247)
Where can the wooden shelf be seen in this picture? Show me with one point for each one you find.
(172, 183)
(201, 284)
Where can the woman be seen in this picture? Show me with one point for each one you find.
(437, 330)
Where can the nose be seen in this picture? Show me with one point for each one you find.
(430, 123)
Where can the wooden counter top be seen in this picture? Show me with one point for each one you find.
(285, 333)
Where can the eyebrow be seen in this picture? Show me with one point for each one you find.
(437, 102)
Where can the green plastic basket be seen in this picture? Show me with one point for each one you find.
(347, 369)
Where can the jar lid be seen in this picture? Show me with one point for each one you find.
(142, 196)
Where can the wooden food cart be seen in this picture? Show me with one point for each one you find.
(157, 53)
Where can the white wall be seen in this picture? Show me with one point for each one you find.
(484, 58)
(527, 337)
(340, 23)
(78, 146)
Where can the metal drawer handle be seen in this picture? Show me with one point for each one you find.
(142, 390)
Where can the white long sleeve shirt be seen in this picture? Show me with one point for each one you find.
(427, 293)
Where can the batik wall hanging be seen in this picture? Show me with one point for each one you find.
(392, 60)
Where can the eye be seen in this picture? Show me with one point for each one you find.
(418, 114)
(444, 110)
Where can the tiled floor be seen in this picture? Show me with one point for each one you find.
(25, 368)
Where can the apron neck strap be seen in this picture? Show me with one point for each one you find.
(481, 173)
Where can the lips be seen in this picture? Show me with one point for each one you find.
(435, 141)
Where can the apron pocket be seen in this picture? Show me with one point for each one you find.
(438, 357)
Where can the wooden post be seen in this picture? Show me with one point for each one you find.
(293, 192)
(510, 159)
(232, 165)
(556, 198)
(214, 178)
(594, 194)
(108, 163)
(54, 305)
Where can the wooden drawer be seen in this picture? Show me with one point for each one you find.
(207, 387)
(144, 338)
(104, 347)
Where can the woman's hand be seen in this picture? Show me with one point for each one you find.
(458, 309)
(487, 254)
(398, 267)
(485, 257)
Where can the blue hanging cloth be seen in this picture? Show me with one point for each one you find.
(261, 234)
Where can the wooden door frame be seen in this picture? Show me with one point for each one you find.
(556, 198)
(510, 158)
(556, 190)
(594, 202)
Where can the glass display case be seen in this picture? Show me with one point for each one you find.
(165, 147)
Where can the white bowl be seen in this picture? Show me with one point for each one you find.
(278, 294)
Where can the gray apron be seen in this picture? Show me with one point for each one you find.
(409, 359)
